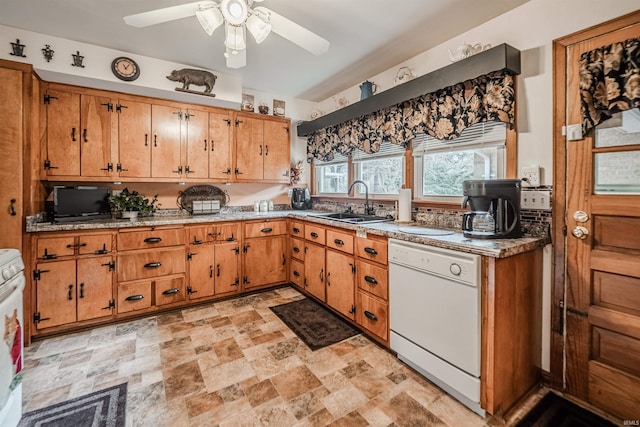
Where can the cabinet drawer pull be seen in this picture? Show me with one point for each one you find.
(73, 134)
(171, 291)
(196, 241)
(371, 316)
(266, 230)
(296, 230)
(153, 265)
(84, 135)
(370, 251)
(295, 273)
(322, 275)
(338, 242)
(70, 295)
(134, 298)
(153, 240)
(296, 249)
(314, 234)
(370, 280)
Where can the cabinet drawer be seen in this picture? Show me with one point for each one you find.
(97, 244)
(372, 315)
(134, 296)
(55, 247)
(373, 279)
(296, 228)
(170, 290)
(227, 232)
(373, 249)
(150, 263)
(200, 235)
(314, 233)
(297, 249)
(297, 273)
(264, 228)
(340, 240)
(150, 238)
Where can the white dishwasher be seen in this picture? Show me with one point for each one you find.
(434, 316)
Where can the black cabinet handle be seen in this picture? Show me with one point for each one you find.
(210, 271)
(134, 298)
(295, 273)
(196, 241)
(322, 275)
(12, 208)
(153, 265)
(338, 242)
(296, 249)
(284, 260)
(329, 278)
(218, 270)
(153, 240)
(73, 134)
(371, 316)
(266, 230)
(171, 291)
(314, 234)
(296, 230)
(70, 295)
(370, 280)
(370, 251)
(84, 135)
(146, 139)
(81, 290)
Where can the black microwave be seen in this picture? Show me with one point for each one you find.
(78, 203)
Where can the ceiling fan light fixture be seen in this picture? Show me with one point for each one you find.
(234, 11)
(259, 26)
(210, 19)
(235, 37)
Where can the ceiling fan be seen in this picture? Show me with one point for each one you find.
(237, 16)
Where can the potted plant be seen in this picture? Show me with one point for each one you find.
(131, 203)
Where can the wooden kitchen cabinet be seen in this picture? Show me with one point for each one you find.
(200, 260)
(220, 146)
(55, 284)
(134, 139)
(94, 287)
(372, 286)
(262, 148)
(166, 142)
(314, 271)
(264, 253)
(340, 282)
(196, 136)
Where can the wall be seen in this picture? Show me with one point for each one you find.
(531, 28)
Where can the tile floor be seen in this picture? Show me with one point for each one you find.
(235, 363)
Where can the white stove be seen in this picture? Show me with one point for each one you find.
(12, 284)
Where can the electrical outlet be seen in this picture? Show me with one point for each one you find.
(289, 192)
(531, 176)
(539, 200)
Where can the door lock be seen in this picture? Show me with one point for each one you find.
(580, 232)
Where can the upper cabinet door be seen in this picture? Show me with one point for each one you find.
(276, 151)
(220, 163)
(165, 149)
(249, 148)
(63, 133)
(134, 139)
(197, 144)
(95, 135)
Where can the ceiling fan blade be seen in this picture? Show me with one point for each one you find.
(238, 60)
(295, 33)
(166, 14)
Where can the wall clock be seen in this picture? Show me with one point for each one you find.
(125, 69)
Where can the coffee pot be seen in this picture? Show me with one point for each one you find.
(495, 208)
(367, 89)
(300, 198)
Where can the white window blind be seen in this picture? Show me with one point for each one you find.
(479, 135)
(387, 149)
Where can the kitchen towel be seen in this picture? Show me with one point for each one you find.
(404, 205)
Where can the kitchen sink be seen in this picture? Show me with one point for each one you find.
(353, 218)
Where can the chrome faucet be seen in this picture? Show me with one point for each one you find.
(367, 210)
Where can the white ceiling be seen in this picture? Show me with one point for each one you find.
(366, 36)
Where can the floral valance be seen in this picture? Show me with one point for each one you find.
(443, 114)
(609, 81)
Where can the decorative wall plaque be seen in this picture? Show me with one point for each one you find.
(77, 59)
(17, 49)
(47, 52)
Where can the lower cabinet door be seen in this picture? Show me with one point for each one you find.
(372, 315)
(314, 271)
(201, 274)
(95, 287)
(134, 296)
(227, 268)
(265, 261)
(170, 290)
(340, 282)
(56, 293)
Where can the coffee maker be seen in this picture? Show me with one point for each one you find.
(495, 208)
(300, 198)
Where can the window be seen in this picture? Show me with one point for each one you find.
(332, 177)
(442, 166)
(382, 171)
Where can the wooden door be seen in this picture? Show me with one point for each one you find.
(165, 150)
(602, 249)
(314, 270)
(220, 152)
(63, 133)
(265, 261)
(11, 140)
(227, 268)
(134, 139)
(56, 293)
(95, 135)
(340, 282)
(197, 144)
(201, 279)
(249, 148)
(277, 147)
(95, 287)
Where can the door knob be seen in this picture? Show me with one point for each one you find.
(581, 216)
(580, 232)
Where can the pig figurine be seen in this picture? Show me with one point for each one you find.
(189, 76)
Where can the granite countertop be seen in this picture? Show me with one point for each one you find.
(454, 240)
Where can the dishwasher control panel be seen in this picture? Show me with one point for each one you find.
(458, 266)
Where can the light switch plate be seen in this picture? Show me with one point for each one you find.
(539, 200)
(531, 176)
